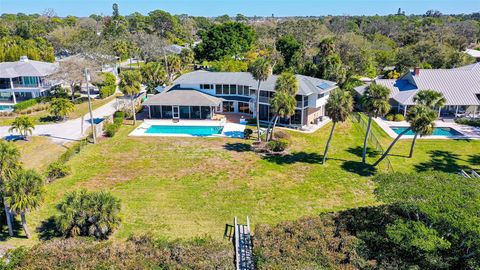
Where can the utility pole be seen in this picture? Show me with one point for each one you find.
(94, 132)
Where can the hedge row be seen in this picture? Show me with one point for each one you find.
(112, 128)
(25, 104)
(469, 122)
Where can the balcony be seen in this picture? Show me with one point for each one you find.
(48, 84)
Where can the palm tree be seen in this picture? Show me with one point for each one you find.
(130, 85)
(88, 214)
(421, 119)
(260, 70)
(339, 106)
(284, 106)
(9, 165)
(286, 87)
(24, 193)
(375, 104)
(61, 107)
(23, 125)
(431, 99)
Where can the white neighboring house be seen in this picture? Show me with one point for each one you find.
(25, 79)
(460, 87)
(201, 94)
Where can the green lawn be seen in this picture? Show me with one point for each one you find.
(186, 187)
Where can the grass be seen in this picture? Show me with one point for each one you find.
(187, 187)
(42, 117)
(38, 152)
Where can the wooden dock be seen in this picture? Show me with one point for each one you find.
(243, 246)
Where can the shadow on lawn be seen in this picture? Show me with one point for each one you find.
(358, 151)
(17, 228)
(297, 157)
(238, 147)
(444, 161)
(359, 168)
(47, 229)
(474, 160)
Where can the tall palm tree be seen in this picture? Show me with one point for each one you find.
(260, 70)
(130, 84)
(431, 99)
(61, 107)
(286, 87)
(339, 106)
(375, 104)
(23, 125)
(9, 165)
(421, 119)
(284, 106)
(24, 193)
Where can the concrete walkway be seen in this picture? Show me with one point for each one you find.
(70, 130)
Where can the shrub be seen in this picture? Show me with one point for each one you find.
(280, 134)
(247, 133)
(399, 117)
(85, 213)
(277, 145)
(469, 122)
(75, 149)
(252, 121)
(390, 117)
(57, 170)
(111, 129)
(25, 104)
(107, 90)
(118, 117)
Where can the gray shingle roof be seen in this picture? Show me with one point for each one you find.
(307, 85)
(460, 86)
(26, 68)
(183, 97)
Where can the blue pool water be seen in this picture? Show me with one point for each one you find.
(188, 130)
(438, 131)
(6, 108)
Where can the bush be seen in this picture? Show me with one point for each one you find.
(469, 122)
(277, 145)
(118, 117)
(252, 121)
(25, 104)
(399, 117)
(108, 86)
(75, 149)
(57, 170)
(280, 134)
(390, 117)
(111, 128)
(247, 133)
(106, 91)
(84, 213)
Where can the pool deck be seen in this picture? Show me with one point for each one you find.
(468, 132)
(230, 130)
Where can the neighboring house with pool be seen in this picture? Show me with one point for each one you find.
(460, 87)
(203, 95)
(24, 79)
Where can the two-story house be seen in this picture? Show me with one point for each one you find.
(24, 79)
(201, 94)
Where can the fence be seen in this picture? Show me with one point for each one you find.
(373, 141)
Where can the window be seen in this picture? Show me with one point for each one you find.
(233, 89)
(246, 90)
(185, 112)
(226, 89)
(195, 112)
(206, 112)
(206, 86)
(243, 107)
(228, 106)
(167, 112)
(218, 89)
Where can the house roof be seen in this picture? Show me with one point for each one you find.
(183, 97)
(26, 67)
(459, 86)
(474, 53)
(307, 85)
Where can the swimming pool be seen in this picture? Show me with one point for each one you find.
(438, 131)
(6, 108)
(200, 131)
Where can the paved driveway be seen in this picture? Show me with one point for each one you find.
(70, 130)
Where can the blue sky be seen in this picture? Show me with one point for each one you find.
(247, 7)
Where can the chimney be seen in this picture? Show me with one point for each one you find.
(416, 71)
(23, 58)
